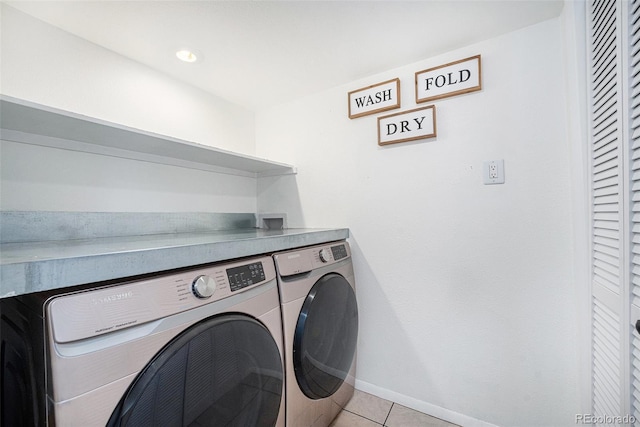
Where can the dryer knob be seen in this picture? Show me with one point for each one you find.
(203, 287)
(325, 255)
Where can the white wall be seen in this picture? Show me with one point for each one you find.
(48, 179)
(43, 64)
(466, 291)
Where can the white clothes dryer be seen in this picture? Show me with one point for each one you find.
(199, 347)
(320, 324)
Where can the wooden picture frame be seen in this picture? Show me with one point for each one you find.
(374, 99)
(411, 125)
(454, 78)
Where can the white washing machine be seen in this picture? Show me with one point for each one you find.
(320, 324)
(199, 347)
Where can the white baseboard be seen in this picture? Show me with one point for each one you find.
(419, 405)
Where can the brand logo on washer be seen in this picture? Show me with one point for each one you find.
(113, 297)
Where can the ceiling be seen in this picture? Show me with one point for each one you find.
(260, 53)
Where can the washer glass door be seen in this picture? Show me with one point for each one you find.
(223, 371)
(324, 343)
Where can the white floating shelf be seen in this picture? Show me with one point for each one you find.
(30, 123)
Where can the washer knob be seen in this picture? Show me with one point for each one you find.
(325, 255)
(203, 286)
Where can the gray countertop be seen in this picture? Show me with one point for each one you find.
(27, 267)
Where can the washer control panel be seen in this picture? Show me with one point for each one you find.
(245, 275)
(107, 309)
(307, 259)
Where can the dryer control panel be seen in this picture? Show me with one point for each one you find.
(307, 259)
(103, 310)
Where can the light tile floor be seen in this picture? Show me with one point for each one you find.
(367, 410)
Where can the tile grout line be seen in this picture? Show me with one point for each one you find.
(362, 416)
(384, 423)
(388, 414)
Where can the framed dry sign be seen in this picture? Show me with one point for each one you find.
(407, 125)
(374, 99)
(450, 79)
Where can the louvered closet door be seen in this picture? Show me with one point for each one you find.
(634, 132)
(608, 189)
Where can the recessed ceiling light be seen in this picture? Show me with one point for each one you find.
(186, 55)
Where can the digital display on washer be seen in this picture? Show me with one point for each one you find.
(245, 275)
(339, 252)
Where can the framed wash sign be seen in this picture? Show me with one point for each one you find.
(407, 125)
(454, 78)
(374, 99)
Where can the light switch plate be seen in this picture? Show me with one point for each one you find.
(493, 172)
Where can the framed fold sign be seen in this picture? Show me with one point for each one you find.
(454, 78)
(374, 99)
(411, 125)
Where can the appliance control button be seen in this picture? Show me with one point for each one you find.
(325, 255)
(203, 286)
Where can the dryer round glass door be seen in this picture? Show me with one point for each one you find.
(223, 371)
(324, 342)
